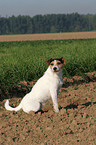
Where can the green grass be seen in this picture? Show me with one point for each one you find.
(27, 60)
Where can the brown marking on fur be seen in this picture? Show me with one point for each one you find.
(59, 63)
(51, 64)
(59, 60)
(63, 60)
(48, 61)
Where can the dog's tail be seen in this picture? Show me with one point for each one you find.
(11, 108)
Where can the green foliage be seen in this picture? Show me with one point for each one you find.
(27, 60)
(47, 24)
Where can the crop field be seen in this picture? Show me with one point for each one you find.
(50, 36)
(22, 62)
(26, 60)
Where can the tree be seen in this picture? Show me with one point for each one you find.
(47, 23)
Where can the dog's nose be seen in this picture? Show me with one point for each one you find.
(54, 68)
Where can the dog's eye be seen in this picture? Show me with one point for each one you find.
(52, 64)
(59, 63)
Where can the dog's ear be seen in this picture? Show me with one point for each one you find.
(63, 60)
(49, 61)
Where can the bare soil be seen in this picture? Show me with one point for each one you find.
(48, 36)
(75, 124)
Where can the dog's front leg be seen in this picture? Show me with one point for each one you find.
(54, 100)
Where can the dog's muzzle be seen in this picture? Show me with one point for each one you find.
(55, 69)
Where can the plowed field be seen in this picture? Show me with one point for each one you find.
(50, 36)
(75, 124)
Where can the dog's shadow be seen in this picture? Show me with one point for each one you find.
(71, 106)
(75, 106)
(41, 111)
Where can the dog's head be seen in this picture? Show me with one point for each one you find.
(56, 64)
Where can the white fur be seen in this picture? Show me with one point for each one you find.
(46, 87)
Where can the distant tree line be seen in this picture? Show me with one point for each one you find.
(50, 23)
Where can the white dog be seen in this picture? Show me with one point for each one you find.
(46, 87)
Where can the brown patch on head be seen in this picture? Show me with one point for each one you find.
(52, 64)
(59, 63)
(62, 59)
(49, 61)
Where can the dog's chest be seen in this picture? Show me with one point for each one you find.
(55, 83)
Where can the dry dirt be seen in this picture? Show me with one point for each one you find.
(49, 36)
(75, 124)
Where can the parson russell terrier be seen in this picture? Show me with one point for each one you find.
(46, 87)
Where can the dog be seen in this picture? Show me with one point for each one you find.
(47, 87)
